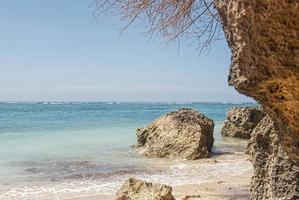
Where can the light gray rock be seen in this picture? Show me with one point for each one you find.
(185, 134)
(240, 122)
(135, 189)
(275, 176)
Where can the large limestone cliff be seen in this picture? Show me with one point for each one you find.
(263, 37)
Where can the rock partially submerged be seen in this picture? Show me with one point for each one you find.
(185, 134)
(275, 176)
(135, 189)
(240, 122)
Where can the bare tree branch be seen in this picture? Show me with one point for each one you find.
(172, 19)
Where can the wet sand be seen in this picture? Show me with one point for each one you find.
(232, 187)
(236, 187)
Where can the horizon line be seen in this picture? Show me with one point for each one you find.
(181, 102)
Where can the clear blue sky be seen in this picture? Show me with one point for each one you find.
(52, 50)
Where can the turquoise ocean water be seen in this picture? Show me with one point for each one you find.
(57, 149)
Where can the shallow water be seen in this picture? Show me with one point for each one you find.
(57, 149)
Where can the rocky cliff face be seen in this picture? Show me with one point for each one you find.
(263, 37)
(185, 134)
(275, 176)
(241, 121)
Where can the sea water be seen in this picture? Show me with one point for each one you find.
(63, 149)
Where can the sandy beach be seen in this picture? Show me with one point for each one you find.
(234, 188)
(222, 185)
(228, 188)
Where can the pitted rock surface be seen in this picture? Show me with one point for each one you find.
(275, 176)
(240, 122)
(185, 134)
(264, 39)
(135, 189)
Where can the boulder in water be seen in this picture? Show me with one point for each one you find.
(185, 134)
